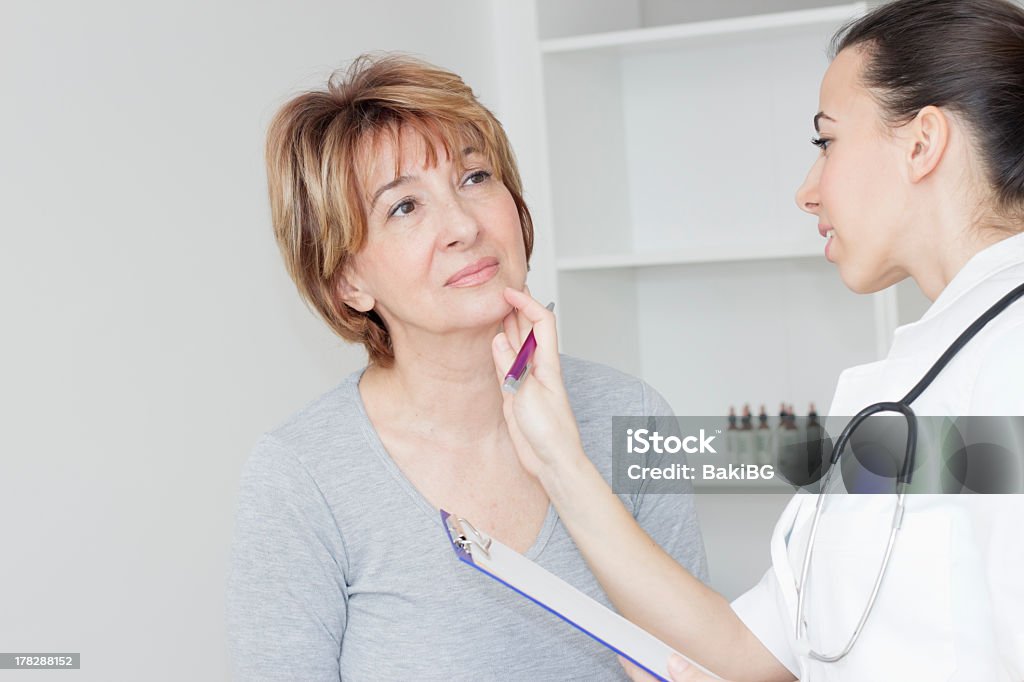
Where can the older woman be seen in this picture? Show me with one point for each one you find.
(398, 209)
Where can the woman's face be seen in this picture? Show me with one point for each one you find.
(442, 243)
(856, 186)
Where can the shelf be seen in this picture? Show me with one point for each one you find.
(661, 36)
(707, 337)
(681, 255)
(704, 254)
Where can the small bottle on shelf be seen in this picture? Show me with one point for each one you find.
(785, 437)
(745, 451)
(763, 439)
(815, 445)
(731, 432)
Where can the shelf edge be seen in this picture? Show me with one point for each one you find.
(616, 261)
(656, 34)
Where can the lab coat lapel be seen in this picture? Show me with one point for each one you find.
(783, 552)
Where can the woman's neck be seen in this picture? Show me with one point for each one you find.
(444, 389)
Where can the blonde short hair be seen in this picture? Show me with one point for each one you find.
(315, 145)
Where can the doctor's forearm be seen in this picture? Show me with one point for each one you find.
(647, 585)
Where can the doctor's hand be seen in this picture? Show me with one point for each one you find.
(678, 671)
(539, 418)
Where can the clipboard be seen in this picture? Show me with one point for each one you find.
(553, 594)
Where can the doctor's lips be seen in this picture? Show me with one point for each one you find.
(476, 273)
(828, 232)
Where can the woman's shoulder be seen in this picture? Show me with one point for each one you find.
(322, 424)
(594, 386)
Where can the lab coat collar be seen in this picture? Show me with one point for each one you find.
(988, 262)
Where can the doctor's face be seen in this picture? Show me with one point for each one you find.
(443, 241)
(854, 187)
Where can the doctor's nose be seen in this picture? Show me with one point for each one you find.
(807, 194)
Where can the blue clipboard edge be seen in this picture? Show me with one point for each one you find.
(467, 558)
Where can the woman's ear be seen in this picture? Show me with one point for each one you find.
(928, 140)
(350, 292)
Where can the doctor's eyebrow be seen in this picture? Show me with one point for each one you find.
(821, 115)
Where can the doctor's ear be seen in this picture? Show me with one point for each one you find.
(928, 138)
(349, 291)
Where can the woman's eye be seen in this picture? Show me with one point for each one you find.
(405, 207)
(476, 177)
(821, 143)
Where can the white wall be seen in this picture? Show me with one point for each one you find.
(149, 330)
(737, 529)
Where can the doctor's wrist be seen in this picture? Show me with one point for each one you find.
(568, 476)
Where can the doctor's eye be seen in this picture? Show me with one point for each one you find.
(476, 178)
(403, 207)
(821, 143)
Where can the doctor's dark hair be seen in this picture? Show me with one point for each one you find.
(320, 146)
(963, 55)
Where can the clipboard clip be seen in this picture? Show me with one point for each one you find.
(458, 528)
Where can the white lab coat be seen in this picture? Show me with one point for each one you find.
(951, 606)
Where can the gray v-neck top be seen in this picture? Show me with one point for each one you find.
(340, 567)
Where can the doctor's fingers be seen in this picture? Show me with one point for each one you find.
(516, 325)
(510, 325)
(542, 321)
(503, 353)
(681, 671)
(635, 672)
(678, 669)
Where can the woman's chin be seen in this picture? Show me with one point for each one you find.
(484, 306)
(486, 311)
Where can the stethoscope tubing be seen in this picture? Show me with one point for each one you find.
(902, 481)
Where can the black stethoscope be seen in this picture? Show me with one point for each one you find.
(903, 479)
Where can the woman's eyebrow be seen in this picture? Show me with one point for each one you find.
(400, 180)
(821, 115)
(472, 152)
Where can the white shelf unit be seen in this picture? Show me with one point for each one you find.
(674, 155)
(662, 37)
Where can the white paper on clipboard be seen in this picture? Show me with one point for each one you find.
(560, 598)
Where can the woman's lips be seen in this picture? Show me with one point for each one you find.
(477, 273)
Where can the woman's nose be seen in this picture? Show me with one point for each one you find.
(807, 193)
(461, 226)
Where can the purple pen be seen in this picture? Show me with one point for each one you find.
(522, 362)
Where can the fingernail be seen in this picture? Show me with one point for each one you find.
(502, 341)
(677, 665)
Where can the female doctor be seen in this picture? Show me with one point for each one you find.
(921, 175)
